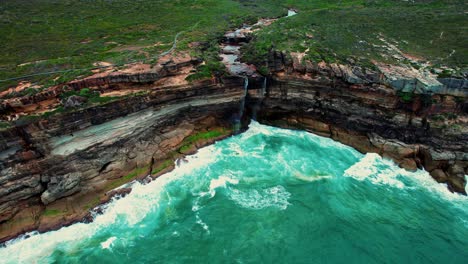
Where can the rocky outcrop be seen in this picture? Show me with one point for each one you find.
(413, 118)
(138, 73)
(371, 117)
(400, 78)
(74, 101)
(54, 170)
(141, 75)
(57, 164)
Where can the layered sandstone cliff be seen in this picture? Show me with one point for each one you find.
(52, 171)
(417, 126)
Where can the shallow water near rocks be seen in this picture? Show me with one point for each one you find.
(268, 195)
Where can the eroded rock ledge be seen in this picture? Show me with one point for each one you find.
(54, 170)
(427, 130)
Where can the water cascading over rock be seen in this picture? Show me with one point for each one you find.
(242, 104)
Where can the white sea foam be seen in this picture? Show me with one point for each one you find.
(253, 199)
(129, 211)
(201, 223)
(108, 243)
(133, 208)
(221, 182)
(256, 128)
(311, 178)
(291, 13)
(378, 170)
(466, 186)
(366, 169)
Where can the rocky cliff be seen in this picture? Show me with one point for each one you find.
(52, 171)
(417, 126)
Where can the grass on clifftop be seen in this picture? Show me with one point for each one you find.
(336, 30)
(52, 35)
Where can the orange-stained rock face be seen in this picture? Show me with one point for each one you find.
(20, 87)
(170, 70)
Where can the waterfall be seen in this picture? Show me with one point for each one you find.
(246, 86)
(291, 12)
(263, 92)
(261, 95)
(242, 104)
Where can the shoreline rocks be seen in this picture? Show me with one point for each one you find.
(54, 170)
(58, 165)
(371, 119)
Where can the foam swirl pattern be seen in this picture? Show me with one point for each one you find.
(268, 195)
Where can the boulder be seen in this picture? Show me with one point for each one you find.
(348, 74)
(74, 101)
(439, 175)
(61, 186)
(457, 184)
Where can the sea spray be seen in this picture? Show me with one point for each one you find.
(129, 211)
(254, 198)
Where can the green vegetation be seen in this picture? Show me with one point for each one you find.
(52, 212)
(185, 148)
(135, 172)
(205, 135)
(165, 164)
(57, 110)
(187, 144)
(27, 119)
(445, 73)
(25, 92)
(444, 116)
(57, 35)
(206, 71)
(70, 35)
(102, 100)
(131, 176)
(93, 96)
(4, 124)
(406, 96)
(365, 30)
(85, 92)
(24, 120)
(93, 203)
(438, 117)
(192, 139)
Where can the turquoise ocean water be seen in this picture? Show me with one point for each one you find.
(268, 195)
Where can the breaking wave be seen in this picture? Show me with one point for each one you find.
(268, 195)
